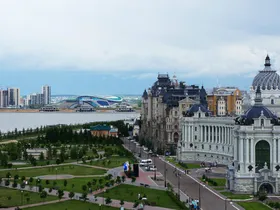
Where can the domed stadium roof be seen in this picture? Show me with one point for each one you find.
(267, 78)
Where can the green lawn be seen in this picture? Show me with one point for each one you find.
(253, 206)
(221, 182)
(130, 193)
(67, 169)
(12, 197)
(71, 205)
(112, 162)
(230, 195)
(189, 165)
(219, 188)
(73, 185)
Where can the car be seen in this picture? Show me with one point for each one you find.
(151, 168)
(154, 155)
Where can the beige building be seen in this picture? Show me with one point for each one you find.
(36, 152)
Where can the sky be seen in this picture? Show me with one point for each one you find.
(119, 47)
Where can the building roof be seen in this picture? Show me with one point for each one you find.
(145, 94)
(267, 78)
(100, 128)
(256, 111)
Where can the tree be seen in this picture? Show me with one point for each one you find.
(93, 181)
(47, 182)
(118, 180)
(84, 196)
(71, 195)
(84, 188)
(108, 200)
(30, 180)
(42, 157)
(100, 181)
(60, 194)
(43, 195)
(73, 153)
(89, 184)
(65, 183)
(57, 161)
(133, 179)
(16, 177)
(122, 202)
(123, 178)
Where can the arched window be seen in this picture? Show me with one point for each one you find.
(262, 122)
(199, 115)
(202, 146)
(272, 101)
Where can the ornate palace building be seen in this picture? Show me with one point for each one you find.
(162, 106)
(205, 138)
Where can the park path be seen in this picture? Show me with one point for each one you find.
(91, 198)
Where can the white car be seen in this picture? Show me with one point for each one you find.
(151, 168)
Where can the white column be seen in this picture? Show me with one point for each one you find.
(252, 151)
(223, 132)
(225, 135)
(278, 153)
(201, 133)
(205, 140)
(189, 133)
(212, 133)
(274, 151)
(241, 150)
(247, 150)
(235, 151)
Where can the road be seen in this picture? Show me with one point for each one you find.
(190, 187)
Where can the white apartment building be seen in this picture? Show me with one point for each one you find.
(46, 91)
(14, 97)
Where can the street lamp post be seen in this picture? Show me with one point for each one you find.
(104, 197)
(155, 171)
(100, 206)
(22, 197)
(178, 176)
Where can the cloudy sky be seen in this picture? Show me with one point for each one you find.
(119, 46)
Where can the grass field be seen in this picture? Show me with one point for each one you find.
(67, 169)
(12, 197)
(130, 193)
(230, 195)
(71, 205)
(112, 162)
(73, 185)
(190, 165)
(219, 188)
(253, 206)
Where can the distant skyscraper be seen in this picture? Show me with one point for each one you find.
(46, 90)
(13, 97)
(3, 98)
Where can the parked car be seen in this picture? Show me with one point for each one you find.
(151, 168)
(146, 162)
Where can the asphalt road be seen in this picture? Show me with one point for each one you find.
(209, 200)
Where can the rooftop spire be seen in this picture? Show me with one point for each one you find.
(258, 97)
(267, 61)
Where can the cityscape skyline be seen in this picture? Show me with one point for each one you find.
(103, 47)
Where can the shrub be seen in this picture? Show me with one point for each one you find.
(175, 199)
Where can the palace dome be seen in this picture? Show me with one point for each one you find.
(267, 78)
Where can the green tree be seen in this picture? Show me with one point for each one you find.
(123, 178)
(133, 179)
(122, 202)
(47, 182)
(108, 200)
(71, 195)
(43, 195)
(60, 194)
(42, 157)
(84, 196)
(73, 153)
(65, 183)
(84, 188)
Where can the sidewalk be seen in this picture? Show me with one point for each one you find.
(91, 198)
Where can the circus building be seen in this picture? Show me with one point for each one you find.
(269, 82)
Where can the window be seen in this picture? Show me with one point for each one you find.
(199, 115)
(195, 128)
(195, 137)
(202, 146)
(209, 147)
(272, 101)
(175, 113)
(217, 147)
(262, 122)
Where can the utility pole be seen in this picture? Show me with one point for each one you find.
(178, 176)
(155, 171)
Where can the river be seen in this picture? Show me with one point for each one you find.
(10, 121)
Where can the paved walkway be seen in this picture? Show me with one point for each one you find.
(91, 198)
